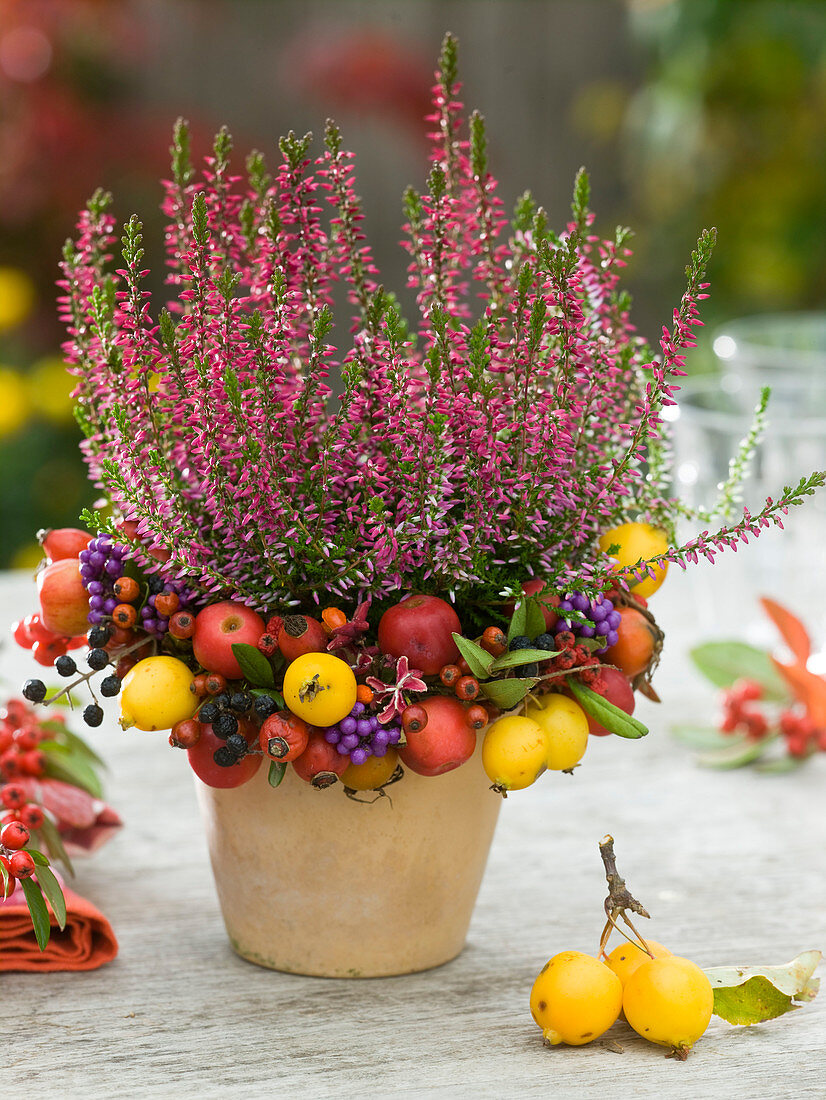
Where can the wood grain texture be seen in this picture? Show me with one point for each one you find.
(730, 865)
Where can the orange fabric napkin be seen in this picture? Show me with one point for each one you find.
(86, 942)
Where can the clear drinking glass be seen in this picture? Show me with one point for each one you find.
(713, 416)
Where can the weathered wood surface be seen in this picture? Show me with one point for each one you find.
(731, 866)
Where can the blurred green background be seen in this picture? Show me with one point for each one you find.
(686, 112)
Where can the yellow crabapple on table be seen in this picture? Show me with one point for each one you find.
(665, 998)
(400, 568)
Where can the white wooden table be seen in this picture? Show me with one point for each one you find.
(731, 866)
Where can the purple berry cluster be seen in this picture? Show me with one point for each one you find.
(604, 619)
(359, 736)
(101, 563)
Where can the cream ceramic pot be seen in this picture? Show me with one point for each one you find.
(313, 882)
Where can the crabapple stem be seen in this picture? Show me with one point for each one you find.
(619, 900)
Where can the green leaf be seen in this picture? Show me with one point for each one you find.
(54, 895)
(254, 664)
(54, 844)
(611, 717)
(507, 693)
(276, 773)
(5, 876)
(39, 912)
(519, 620)
(748, 995)
(38, 857)
(725, 662)
(736, 756)
(705, 737)
(782, 766)
(74, 769)
(72, 740)
(521, 657)
(534, 618)
(478, 659)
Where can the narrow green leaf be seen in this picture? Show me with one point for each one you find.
(54, 844)
(519, 620)
(534, 618)
(725, 662)
(736, 756)
(78, 744)
(507, 693)
(71, 769)
(521, 657)
(254, 665)
(39, 912)
(38, 857)
(4, 874)
(54, 895)
(478, 659)
(611, 717)
(276, 773)
(782, 766)
(699, 737)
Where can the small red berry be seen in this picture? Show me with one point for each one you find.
(185, 734)
(21, 865)
(182, 625)
(33, 763)
(127, 589)
(10, 764)
(467, 688)
(124, 616)
(267, 644)
(32, 816)
(495, 641)
(198, 686)
(121, 636)
(477, 717)
(6, 738)
(215, 683)
(566, 639)
(27, 738)
(588, 675)
(464, 667)
(46, 653)
(14, 835)
(414, 718)
(167, 603)
(13, 796)
(11, 882)
(449, 675)
(274, 625)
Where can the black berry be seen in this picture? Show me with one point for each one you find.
(98, 636)
(208, 713)
(110, 686)
(237, 743)
(97, 659)
(221, 701)
(225, 725)
(93, 715)
(546, 642)
(34, 691)
(65, 665)
(155, 585)
(240, 702)
(224, 757)
(529, 670)
(520, 642)
(264, 706)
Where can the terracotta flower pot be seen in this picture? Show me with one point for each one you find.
(312, 882)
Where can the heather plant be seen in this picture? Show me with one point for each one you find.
(494, 438)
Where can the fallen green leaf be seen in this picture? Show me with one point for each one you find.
(737, 755)
(746, 995)
(725, 662)
(705, 737)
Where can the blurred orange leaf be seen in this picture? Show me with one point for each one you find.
(791, 629)
(807, 688)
